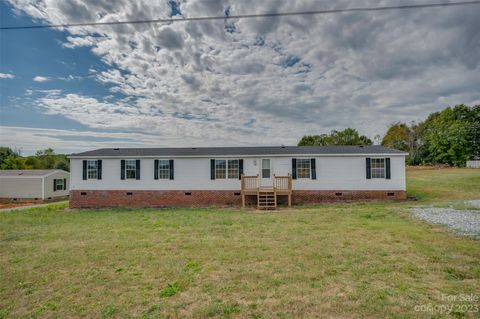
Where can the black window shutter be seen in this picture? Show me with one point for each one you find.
(369, 170)
(54, 185)
(212, 169)
(99, 169)
(84, 170)
(137, 169)
(171, 169)
(294, 168)
(122, 169)
(64, 184)
(313, 168)
(240, 168)
(155, 169)
(387, 168)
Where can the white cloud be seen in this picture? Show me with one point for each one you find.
(29, 140)
(39, 78)
(266, 81)
(6, 76)
(68, 141)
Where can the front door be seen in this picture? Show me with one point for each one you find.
(266, 172)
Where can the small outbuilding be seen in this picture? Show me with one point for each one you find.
(473, 163)
(33, 184)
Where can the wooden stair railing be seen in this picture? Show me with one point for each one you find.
(266, 196)
(283, 186)
(249, 186)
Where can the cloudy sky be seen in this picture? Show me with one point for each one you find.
(261, 81)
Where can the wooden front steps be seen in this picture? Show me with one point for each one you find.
(266, 199)
(266, 195)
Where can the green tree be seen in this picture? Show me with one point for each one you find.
(451, 136)
(13, 162)
(62, 162)
(348, 136)
(32, 162)
(474, 131)
(397, 137)
(44, 159)
(7, 152)
(47, 157)
(404, 137)
(315, 140)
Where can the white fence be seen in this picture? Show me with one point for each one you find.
(473, 164)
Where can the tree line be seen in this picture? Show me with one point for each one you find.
(451, 137)
(44, 159)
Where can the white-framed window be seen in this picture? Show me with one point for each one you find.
(220, 169)
(163, 169)
(92, 169)
(233, 168)
(227, 169)
(266, 168)
(303, 168)
(130, 169)
(377, 167)
(58, 184)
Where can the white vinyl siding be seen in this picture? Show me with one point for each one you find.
(49, 182)
(23, 187)
(36, 186)
(333, 173)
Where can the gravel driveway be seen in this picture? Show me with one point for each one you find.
(466, 222)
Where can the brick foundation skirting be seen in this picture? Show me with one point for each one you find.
(158, 198)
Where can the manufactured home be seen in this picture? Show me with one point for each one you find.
(262, 176)
(33, 184)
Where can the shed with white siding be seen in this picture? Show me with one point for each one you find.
(473, 164)
(35, 184)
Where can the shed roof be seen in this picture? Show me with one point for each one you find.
(29, 172)
(241, 151)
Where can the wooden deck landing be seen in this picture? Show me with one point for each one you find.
(267, 196)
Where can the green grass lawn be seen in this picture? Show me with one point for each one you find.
(365, 260)
(430, 184)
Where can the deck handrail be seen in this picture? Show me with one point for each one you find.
(249, 182)
(282, 183)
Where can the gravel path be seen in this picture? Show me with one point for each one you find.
(465, 222)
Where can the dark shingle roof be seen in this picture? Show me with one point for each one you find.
(236, 151)
(27, 172)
